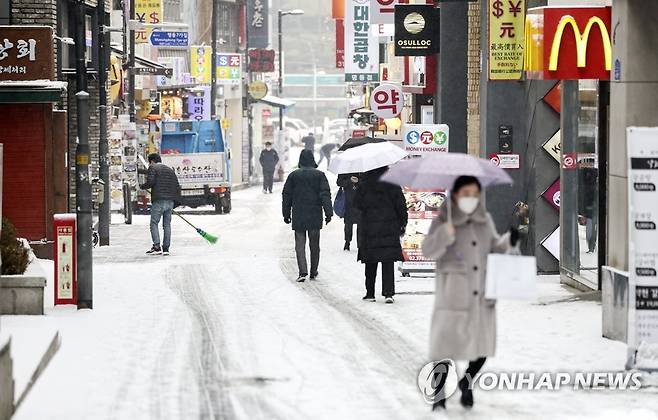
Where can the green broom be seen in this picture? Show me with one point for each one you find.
(212, 239)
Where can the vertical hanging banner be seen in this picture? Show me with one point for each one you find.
(506, 39)
(258, 21)
(149, 12)
(643, 247)
(340, 44)
(200, 63)
(383, 11)
(361, 46)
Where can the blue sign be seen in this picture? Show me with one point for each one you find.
(169, 39)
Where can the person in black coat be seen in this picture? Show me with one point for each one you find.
(306, 194)
(349, 184)
(383, 221)
(269, 158)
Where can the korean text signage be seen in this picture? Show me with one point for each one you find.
(169, 39)
(387, 100)
(506, 39)
(26, 53)
(257, 20)
(568, 43)
(383, 11)
(261, 60)
(229, 69)
(65, 259)
(416, 30)
(361, 45)
(424, 139)
(198, 104)
(149, 12)
(643, 222)
(340, 44)
(200, 64)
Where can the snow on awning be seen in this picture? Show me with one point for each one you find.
(31, 91)
(277, 102)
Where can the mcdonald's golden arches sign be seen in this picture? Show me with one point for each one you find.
(568, 43)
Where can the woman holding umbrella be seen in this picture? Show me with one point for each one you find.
(464, 322)
(460, 239)
(383, 221)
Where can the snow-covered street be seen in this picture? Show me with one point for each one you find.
(225, 332)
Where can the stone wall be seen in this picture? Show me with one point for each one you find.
(474, 70)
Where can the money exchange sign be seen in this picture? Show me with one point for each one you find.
(506, 39)
(149, 12)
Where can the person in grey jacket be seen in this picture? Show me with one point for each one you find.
(165, 190)
(464, 322)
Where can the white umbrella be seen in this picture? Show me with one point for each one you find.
(366, 158)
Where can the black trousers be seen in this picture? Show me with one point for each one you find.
(300, 249)
(268, 180)
(349, 230)
(388, 278)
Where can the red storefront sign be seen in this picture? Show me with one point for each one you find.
(340, 44)
(66, 290)
(569, 43)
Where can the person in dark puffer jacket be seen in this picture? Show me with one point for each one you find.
(305, 195)
(383, 221)
(165, 190)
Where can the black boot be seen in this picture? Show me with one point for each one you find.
(347, 246)
(467, 394)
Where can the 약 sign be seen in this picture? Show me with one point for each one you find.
(387, 101)
(26, 53)
(568, 43)
(416, 30)
(361, 46)
(423, 139)
(506, 32)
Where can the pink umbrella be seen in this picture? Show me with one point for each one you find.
(439, 171)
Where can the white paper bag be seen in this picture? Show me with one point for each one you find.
(511, 277)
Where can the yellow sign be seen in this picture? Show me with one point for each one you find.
(149, 12)
(226, 123)
(116, 79)
(200, 63)
(258, 90)
(506, 39)
(581, 42)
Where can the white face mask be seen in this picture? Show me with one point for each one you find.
(468, 204)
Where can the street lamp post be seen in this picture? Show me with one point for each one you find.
(282, 13)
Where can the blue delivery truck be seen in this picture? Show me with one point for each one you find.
(197, 153)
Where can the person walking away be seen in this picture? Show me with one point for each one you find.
(309, 143)
(325, 152)
(306, 194)
(269, 158)
(165, 190)
(383, 221)
(349, 184)
(464, 322)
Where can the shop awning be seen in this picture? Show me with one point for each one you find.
(277, 102)
(149, 67)
(31, 91)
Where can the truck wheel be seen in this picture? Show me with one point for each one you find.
(218, 206)
(225, 203)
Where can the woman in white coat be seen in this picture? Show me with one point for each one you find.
(464, 322)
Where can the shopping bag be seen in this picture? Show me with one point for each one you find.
(511, 277)
(339, 203)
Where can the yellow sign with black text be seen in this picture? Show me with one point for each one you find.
(506, 39)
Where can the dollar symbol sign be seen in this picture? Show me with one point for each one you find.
(498, 8)
(156, 19)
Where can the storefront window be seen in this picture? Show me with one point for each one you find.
(579, 197)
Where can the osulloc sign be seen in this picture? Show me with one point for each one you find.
(416, 30)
